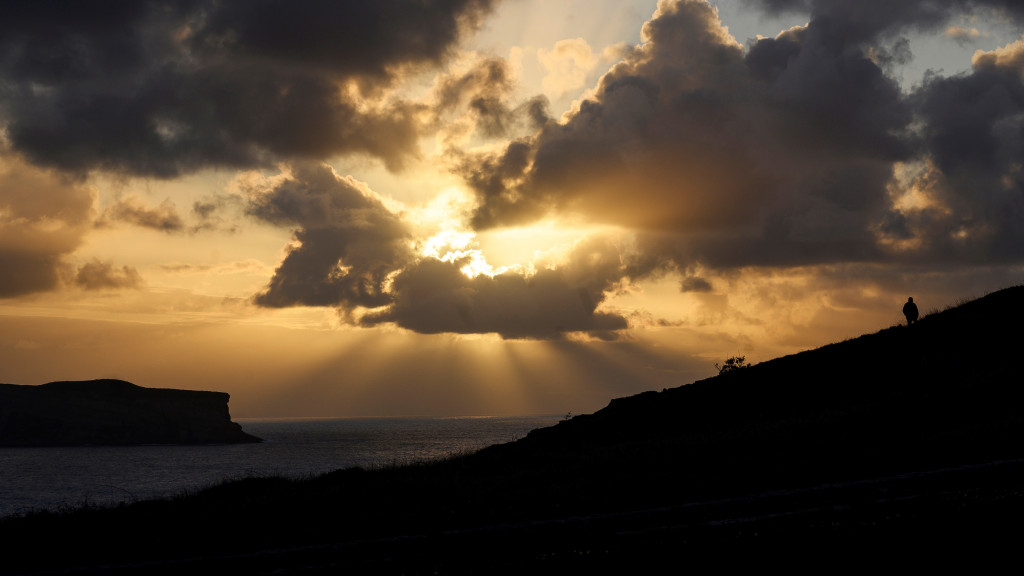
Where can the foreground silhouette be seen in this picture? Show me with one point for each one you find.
(848, 453)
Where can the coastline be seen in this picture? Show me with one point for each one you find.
(68, 477)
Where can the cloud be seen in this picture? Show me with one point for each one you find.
(209, 214)
(132, 210)
(97, 275)
(165, 88)
(1009, 58)
(783, 152)
(346, 242)
(695, 284)
(475, 100)
(43, 218)
(567, 65)
(962, 35)
(235, 267)
(972, 182)
(798, 150)
(354, 253)
(432, 296)
(869, 19)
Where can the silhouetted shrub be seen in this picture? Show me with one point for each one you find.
(733, 363)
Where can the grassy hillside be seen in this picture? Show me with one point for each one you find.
(944, 391)
(905, 442)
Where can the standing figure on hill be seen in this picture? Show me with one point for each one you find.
(910, 311)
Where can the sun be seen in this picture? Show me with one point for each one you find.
(460, 246)
(451, 241)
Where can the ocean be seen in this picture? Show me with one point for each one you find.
(68, 477)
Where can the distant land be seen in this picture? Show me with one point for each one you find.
(113, 412)
(901, 448)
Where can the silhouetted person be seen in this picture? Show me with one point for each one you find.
(910, 311)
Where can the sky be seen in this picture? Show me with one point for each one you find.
(491, 207)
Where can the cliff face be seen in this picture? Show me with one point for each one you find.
(114, 412)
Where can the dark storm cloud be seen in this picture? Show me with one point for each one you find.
(783, 154)
(968, 135)
(361, 38)
(432, 296)
(43, 218)
(866, 19)
(162, 88)
(98, 275)
(974, 137)
(971, 120)
(347, 242)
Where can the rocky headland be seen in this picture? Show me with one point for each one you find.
(113, 412)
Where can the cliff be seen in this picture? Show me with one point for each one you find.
(113, 412)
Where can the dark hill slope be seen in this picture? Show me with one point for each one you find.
(904, 444)
(943, 392)
(946, 390)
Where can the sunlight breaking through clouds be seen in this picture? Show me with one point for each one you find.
(458, 247)
(738, 176)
